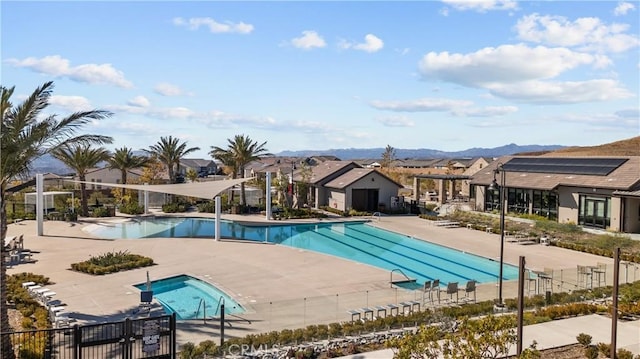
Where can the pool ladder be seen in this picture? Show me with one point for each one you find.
(202, 304)
(391, 281)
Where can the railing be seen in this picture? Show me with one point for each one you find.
(376, 214)
(202, 304)
(152, 337)
(220, 300)
(408, 279)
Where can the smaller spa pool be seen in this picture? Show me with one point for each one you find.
(191, 298)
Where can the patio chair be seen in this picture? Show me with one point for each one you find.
(426, 291)
(470, 287)
(435, 289)
(532, 282)
(599, 274)
(452, 288)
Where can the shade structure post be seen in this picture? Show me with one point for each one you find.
(218, 215)
(267, 196)
(40, 203)
(146, 200)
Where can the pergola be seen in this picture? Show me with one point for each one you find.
(442, 178)
(48, 198)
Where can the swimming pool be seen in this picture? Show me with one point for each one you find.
(355, 241)
(191, 298)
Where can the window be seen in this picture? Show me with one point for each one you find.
(594, 211)
(545, 204)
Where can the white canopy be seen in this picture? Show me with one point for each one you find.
(207, 189)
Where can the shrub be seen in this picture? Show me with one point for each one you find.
(207, 207)
(100, 212)
(584, 339)
(112, 262)
(131, 208)
(175, 207)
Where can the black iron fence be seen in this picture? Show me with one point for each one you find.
(144, 338)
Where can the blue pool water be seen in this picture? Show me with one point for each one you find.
(185, 295)
(359, 242)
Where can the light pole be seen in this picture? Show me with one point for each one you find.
(501, 187)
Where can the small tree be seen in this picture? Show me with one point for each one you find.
(388, 156)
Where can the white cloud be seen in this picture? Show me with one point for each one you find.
(420, 105)
(481, 5)
(57, 66)
(371, 43)
(396, 121)
(215, 27)
(488, 111)
(71, 103)
(167, 89)
(139, 101)
(503, 64)
(562, 92)
(623, 8)
(308, 40)
(586, 33)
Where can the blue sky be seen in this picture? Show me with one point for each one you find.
(445, 75)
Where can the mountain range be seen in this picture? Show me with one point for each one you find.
(47, 163)
(376, 153)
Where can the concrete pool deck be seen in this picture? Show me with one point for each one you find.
(281, 287)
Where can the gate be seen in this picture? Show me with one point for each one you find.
(144, 338)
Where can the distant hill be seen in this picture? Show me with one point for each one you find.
(359, 153)
(628, 147)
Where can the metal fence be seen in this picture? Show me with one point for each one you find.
(129, 339)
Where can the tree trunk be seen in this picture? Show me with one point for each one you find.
(5, 344)
(84, 206)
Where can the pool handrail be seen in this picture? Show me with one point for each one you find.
(391, 281)
(202, 304)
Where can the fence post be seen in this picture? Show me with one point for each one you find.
(172, 326)
(77, 340)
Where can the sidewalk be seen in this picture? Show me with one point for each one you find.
(559, 333)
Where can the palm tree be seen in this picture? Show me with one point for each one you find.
(240, 151)
(25, 135)
(124, 160)
(170, 151)
(226, 159)
(81, 158)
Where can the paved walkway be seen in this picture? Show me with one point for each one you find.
(280, 287)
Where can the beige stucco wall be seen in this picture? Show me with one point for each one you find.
(569, 198)
(479, 164)
(337, 200)
(568, 205)
(631, 215)
(106, 175)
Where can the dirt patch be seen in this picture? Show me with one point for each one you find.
(15, 319)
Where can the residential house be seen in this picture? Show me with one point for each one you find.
(596, 192)
(362, 189)
(202, 167)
